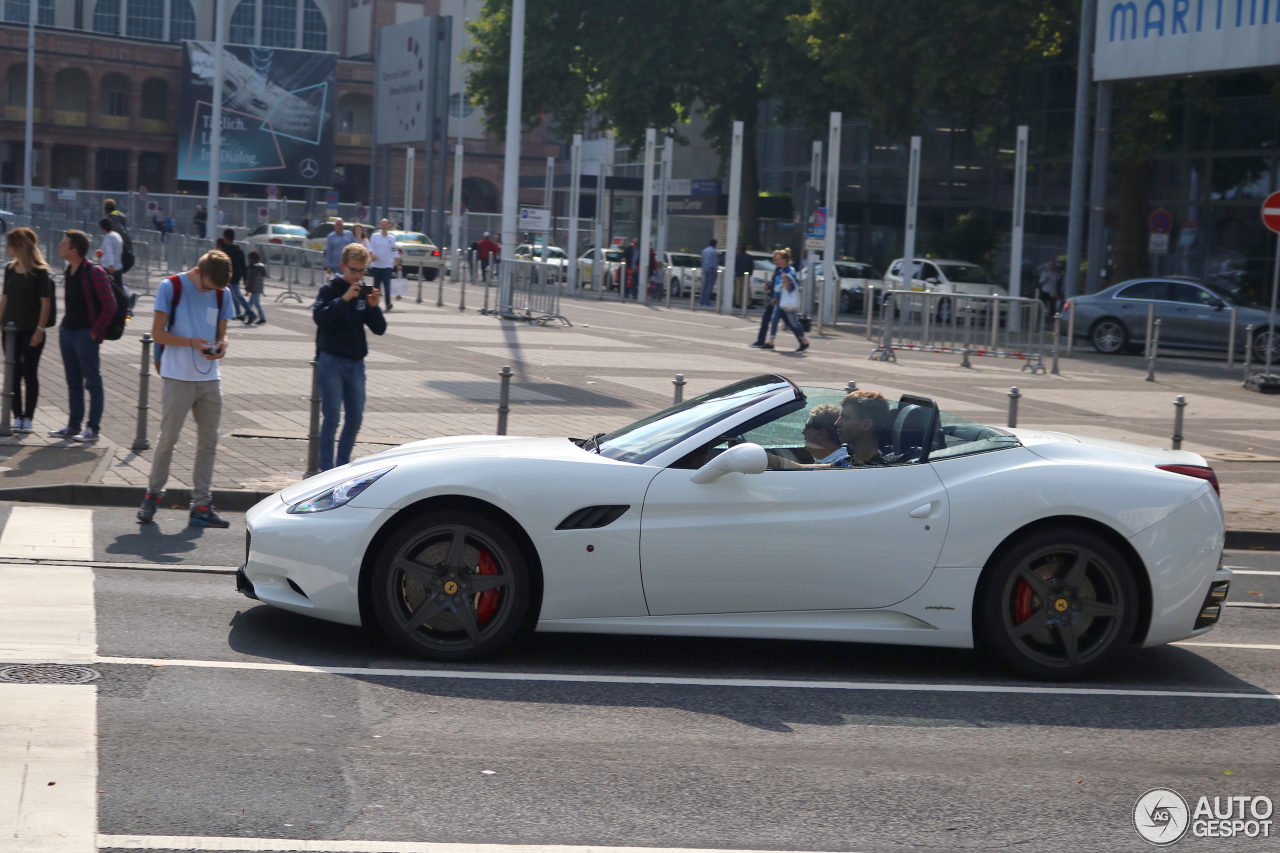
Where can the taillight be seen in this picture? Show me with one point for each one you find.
(436, 253)
(277, 241)
(1066, 306)
(1203, 472)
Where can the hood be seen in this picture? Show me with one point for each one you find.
(980, 289)
(450, 446)
(1063, 447)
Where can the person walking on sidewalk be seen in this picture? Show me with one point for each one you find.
(117, 217)
(227, 243)
(255, 278)
(384, 254)
(190, 322)
(710, 266)
(488, 252)
(27, 302)
(339, 238)
(112, 249)
(89, 305)
(342, 309)
(743, 265)
(786, 288)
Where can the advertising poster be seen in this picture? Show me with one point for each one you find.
(277, 115)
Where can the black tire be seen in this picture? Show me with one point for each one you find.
(1061, 604)
(1109, 336)
(442, 549)
(1262, 338)
(429, 273)
(675, 288)
(846, 302)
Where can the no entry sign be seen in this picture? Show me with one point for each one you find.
(1271, 212)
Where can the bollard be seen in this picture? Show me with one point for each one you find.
(144, 395)
(1153, 349)
(313, 432)
(869, 306)
(968, 333)
(1231, 341)
(679, 392)
(10, 376)
(1057, 336)
(462, 293)
(1151, 321)
(1248, 351)
(1071, 332)
(1178, 405)
(1013, 407)
(504, 397)
(439, 286)
(850, 387)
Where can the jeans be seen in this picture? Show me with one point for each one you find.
(792, 323)
(341, 388)
(764, 320)
(382, 279)
(80, 363)
(240, 303)
(26, 372)
(708, 284)
(204, 401)
(253, 306)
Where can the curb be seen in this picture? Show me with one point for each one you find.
(1253, 540)
(94, 494)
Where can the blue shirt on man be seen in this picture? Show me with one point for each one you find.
(333, 246)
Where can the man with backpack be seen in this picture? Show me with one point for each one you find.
(190, 323)
(89, 316)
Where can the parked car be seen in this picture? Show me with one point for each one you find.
(315, 239)
(684, 272)
(612, 263)
(941, 276)
(855, 279)
(419, 255)
(1192, 315)
(454, 546)
(555, 255)
(265, 238)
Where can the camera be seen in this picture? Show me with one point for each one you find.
(211, 350)
(366, 289)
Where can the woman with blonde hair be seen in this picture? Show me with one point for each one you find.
(27, 302)
(360, 235)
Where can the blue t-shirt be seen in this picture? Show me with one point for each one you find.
(197, 317)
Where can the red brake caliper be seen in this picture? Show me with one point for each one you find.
(487, 601)
(1022, 602)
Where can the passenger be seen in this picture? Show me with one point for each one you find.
(864, 415)
(820, 436)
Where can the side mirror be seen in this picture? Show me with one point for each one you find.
(741, 459)
(1218, 304)
(932, 280)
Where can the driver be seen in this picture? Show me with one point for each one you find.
(821, 438)
(863, 417)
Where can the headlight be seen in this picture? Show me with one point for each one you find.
(340, 495)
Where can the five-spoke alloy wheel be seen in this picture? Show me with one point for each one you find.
(450, 585)
(1109, 336)
(1060, 604)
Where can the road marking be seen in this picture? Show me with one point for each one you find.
(1260, 646)
(1234, 570)
(60, 533)
(300, 845)
(48, 747)
(1253, 605)
(684, 682)
(137, 567)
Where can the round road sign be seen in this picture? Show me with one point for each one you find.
(1271, 212)
(362, 212)
(1161, 222)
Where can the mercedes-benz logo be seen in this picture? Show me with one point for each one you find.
(309, 168)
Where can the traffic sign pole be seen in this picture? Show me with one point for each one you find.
(1270, 218)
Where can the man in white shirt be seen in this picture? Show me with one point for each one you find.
(191, 313)
(710, 268)
(386, 254)
(112, 249)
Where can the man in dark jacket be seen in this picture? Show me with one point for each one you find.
(342, 310)
(238, 268)
(743, 264)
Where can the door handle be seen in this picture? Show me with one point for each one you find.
(921, 511)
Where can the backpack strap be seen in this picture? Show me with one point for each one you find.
(176, 281)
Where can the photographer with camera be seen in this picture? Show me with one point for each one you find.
(342, 309)
(190, 323)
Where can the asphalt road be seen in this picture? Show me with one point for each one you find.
(883, 749)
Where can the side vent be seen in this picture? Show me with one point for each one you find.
(591, 517)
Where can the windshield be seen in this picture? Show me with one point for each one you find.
(289, 230)
(648, 437)
(411, 237)
(965, 274)
(1240, 298)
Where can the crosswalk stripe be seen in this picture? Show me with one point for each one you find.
(303, 845)
(56, 533)
(46, 615)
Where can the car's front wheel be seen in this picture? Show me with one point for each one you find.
(1060, 604)
(1265, 339)
(1109, 336)
(450, 585)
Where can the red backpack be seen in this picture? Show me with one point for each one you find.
(176, 281)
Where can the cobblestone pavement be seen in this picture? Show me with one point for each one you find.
(435, 373)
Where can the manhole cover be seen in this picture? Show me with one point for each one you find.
(46, 673)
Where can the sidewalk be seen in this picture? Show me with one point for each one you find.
(435, 373)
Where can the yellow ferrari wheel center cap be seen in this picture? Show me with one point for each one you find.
(452, 586)
(1060, 605)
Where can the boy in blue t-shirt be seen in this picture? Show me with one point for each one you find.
(191, 324)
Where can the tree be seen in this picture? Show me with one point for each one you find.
(636, 65)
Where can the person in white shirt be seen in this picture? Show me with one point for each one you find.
(112, 249)
(385, 255)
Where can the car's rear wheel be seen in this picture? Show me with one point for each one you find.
(675, 288)
(450, 585)
(1060, 604)
(1109, 336)
(1264, 339)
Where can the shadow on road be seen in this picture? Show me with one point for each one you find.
(154, 545)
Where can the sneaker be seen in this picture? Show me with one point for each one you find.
(146, 512)
(87, 435)
(204, 516)
(238, 317)
(766, 346)
(22, 424)
(261, 322)
(65, 432)
(757, 344)
(802, 347)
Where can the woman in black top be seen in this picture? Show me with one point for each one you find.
(27, 302)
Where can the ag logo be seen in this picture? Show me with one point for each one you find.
(309, 168)
(1161, 816)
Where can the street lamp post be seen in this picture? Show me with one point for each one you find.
(511, 153)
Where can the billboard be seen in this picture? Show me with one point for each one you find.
(1154, 38)
(277, 115)
(412, 69)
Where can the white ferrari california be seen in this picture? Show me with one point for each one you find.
(1053, 553)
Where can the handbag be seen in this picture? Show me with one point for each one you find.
(790, 299)
(399, 287)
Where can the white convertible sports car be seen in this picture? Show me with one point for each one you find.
(1050, 552)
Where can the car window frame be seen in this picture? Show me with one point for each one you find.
(1152, 281)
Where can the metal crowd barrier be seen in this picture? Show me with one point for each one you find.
(532, 292)
(989, 326)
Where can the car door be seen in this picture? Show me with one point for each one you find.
(825, 539)
(1200, 318)
(1130, 304)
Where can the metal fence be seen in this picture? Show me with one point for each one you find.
(989, 326)
(530, 291)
